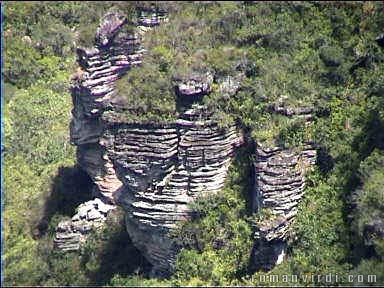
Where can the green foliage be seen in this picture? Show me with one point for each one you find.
(370, 199)
(146, 94)
(373, 268)
(331, 56)
(107, 251)
(321, 232)
(137, 281)
(322, 55)
(295, 134)
(217, 243)
(22, 62)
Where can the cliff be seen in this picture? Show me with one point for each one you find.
(278, 188)
(154, 170)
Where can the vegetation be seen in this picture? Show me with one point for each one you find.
(147, 103)
(42, 183)
(313, 54)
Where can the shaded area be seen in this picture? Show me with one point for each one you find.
(370, 138)
(184, 103)
(113, 252)
(70, 187)
(107, 252)
(324, 160)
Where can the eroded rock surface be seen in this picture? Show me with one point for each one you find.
(279, 187)
(71, 234)
(115, 52)
(152, 170)
(163, 168)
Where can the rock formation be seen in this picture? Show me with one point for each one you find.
(279, 186)
(163, 168)
(70, 234)
(152, 170)
(114, 53)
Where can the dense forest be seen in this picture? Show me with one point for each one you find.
(326, 55)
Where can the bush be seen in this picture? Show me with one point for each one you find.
(147, 95)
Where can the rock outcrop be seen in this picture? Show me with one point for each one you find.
(113, 55)
(71, 234)
(163, 168)
(279, 187)
(152, 170)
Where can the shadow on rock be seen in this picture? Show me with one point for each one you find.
(70, 187)
(111, 252)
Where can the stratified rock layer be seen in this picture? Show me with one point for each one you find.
(155, 170)
(152, 170)
(279, 187)
(163, 168)
(113, 55)
(71, 234)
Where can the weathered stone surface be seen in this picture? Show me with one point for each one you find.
(95, 162)
(71, 234)
(195, 85)
(153, 171)
(281, 107)
(163, 169)
(113, 55)
(279, 187)
(108, 28)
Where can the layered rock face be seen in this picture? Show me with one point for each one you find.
(279, 187)
(113, 55)
(163, 168)
(70, 234)
(155, 170)
(152, 170)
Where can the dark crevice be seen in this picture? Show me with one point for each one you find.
(70, 187)
(116, 254)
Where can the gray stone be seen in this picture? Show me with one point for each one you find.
(71, 234)
(279, 187)
(153, 171)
